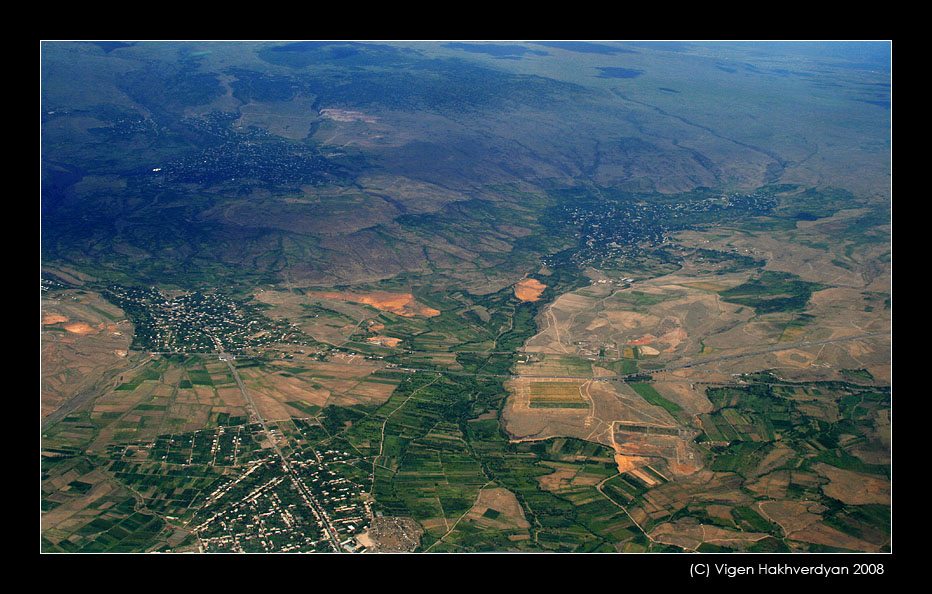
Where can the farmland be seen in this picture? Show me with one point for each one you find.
(567, 297)
(606, 413)
(583, 420)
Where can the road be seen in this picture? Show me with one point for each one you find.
(81, 399)
(84, 397)
(769, 350)
(308, 496)
(673, 367)
(799, 345)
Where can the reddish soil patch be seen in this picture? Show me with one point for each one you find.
(627, 463)
(529, 289)
(53, 319)
(80, 328)
(403, 304)
(384, 340)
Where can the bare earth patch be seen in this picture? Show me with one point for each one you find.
(529, 289)
(854, 488)
(384, 340)
(346, 115)
(800, 521)
(506, 511)
(689, 534)
(79, 345)
(402, 304)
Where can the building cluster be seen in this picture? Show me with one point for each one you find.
(270, 509)
(233, 153)
(608, 228)
(197, 322)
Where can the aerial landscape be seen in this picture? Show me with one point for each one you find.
(575, 296)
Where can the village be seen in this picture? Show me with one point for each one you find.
(197, 322)
(267, 509)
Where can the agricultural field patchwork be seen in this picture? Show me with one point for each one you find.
(466, 297)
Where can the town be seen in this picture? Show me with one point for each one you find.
(233, 153)
(197, 322)
(266, 509)
(609, 227)
(235, 494)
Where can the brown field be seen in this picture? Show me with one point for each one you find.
(668, 320)
(678, 388)
(314, 383)
(646, 339)
(270, 406)
(402, 304)
(228, 397)
(680, 318)
(568, 478)
(510, 514)
(773, 460)
(711, 287)
(384, 340)
(629, 463)
(854, 488)
(773, 485)
(337, 328)
(332, 330)
(688, 533)
(609, 404)
(70, 515)
(822, 534)
(802, 521)
(556, 322)
(676, 451)
(80, 347)
(529, 289)
(533, 390)
(160, 406)
(555, 393)
(702, 486)
(80, 328)
(667, 317)
(849, 307)
(561, 476)
(550, 365)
